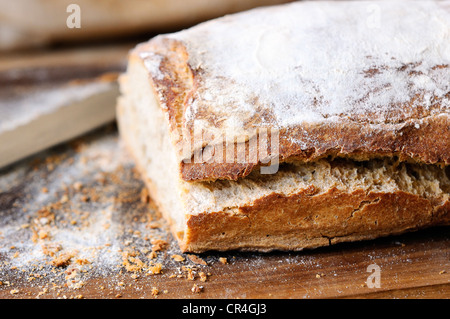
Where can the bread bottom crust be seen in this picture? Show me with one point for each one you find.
(300, 221)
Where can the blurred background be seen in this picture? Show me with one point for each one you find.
(59, 61)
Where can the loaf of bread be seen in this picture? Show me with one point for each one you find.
(295, 126)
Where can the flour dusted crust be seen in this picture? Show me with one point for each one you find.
(341, 79)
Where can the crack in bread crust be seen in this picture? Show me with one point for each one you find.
(307, 222)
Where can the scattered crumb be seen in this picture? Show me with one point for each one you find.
(159, 244)
(196, 289)
(178, 258)
(197, 260)
(190, 274)
(156, 269)
(42, 234)
(77, 186)
(442, 272)
(82, 261)
(62, 260)
(223, 260)
(154, 225)
(203, 276)
(155, 291)
(14, 291)
(64, 199)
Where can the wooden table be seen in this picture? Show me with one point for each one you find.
(74, 219)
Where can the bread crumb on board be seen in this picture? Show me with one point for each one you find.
(197, 289)
(14, 291)
(178, 258)
(196, 259)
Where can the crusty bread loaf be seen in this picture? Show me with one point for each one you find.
(369, 164)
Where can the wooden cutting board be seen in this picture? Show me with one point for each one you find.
(76, 222)
(49, 97)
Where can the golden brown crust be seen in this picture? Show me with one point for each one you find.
(303, 220)
(417, 134)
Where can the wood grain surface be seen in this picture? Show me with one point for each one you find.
(75, 222)
(50, 96)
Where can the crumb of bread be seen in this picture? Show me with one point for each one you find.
(134, 276)
(131, 262)
(77, 186)
(178, 258)
(159, 244)
(197, 260)
(82, 261)
(64, 199)
(203, 276)
(62, 260)
(156, 269)
(442, 272)
(196, 289)
(223, 260)
(155, 291)
(190, 274)
(42, 234)
(154, 225)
